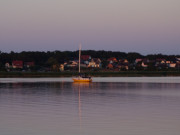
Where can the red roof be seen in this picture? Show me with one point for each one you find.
(85, 57)
(17, 64)
(112, 59)
(110, 66)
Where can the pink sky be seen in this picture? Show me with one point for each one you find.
(144, 26)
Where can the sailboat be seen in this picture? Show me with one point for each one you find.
(81, 78)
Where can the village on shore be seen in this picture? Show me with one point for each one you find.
(89, 63)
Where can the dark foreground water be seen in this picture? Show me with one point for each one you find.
(107, 106)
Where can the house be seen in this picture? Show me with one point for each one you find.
(61, 68)
(7, 65)
(112, 60)
(138, 60)
(178, 59)
(92, 63)
(126, 61)
(29, 64)
(110, 66)
(123, 64)
(95, 62)
(160, 63)
(144, 65)
(71, 64)
(17, 64)
(172, 65)
(98, 62)
(163, 61)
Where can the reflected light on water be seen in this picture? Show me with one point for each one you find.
(103, 108)
(80, 86)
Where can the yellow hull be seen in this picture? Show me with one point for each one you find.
(82, 80)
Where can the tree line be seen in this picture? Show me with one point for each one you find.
(53, 57)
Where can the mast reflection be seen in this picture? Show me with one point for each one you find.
(78, 86)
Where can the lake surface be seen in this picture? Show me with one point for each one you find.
(107, 106)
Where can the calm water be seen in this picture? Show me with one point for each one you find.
(107, 106)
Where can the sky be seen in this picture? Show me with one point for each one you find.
(144, 26)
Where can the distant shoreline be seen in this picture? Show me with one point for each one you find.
(93, 74)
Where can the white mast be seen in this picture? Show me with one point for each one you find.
(79, 57)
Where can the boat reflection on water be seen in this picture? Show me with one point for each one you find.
(78, 86)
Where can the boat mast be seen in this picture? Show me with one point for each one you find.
(79, 57)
